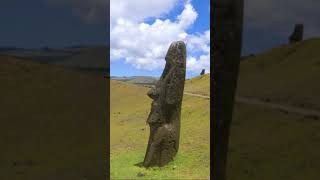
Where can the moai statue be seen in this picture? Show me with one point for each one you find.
(164, 118)
(297, 34)
(203, 72)
(227, 20)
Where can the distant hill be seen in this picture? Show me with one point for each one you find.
(198, 85)
(93, 57)
(287, 74)
(86, 58)
(143, 80)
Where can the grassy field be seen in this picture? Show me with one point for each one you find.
(199, 85)
(130, 107)
(53, 122)
(288, 74)
(268, 144)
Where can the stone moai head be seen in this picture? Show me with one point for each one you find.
(203, 72)
(174, 72)
(174, 57)
(297, 34)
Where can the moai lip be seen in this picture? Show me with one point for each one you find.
(164, 118)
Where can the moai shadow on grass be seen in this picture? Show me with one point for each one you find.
(164, 118)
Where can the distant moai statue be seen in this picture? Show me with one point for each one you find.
(164, 118)
(203, 72)
(297, 34)
(226, 22)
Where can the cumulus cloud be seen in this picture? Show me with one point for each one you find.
(91, 11)
(199, 44)
(280, 16)
(140, 9)
(144, 45)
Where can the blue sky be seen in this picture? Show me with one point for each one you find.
(121, 67)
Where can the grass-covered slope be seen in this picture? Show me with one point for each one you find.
(91, 57)
(53, 122)
(198, 85)
(288, 74)
(130, 107)
(269, 144)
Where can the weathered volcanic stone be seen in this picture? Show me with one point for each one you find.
(226, 22)
(164, 118)
(203, 72)
(297, 34)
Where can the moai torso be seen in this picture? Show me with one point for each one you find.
(164, 118)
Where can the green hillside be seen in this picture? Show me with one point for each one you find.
(199, 85)
(130, 107)
(288, 74)
(269, 144)
(93, 57)
(53, 122)
(142, 80)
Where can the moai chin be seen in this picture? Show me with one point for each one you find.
(164, 118)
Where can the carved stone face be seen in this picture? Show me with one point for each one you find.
(174, 59)
(164, 118)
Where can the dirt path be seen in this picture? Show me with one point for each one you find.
(284, 108)
(197, 95)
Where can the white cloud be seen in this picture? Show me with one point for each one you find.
(91, 11)
(279, 17)
(138, 10)
(201, 44)
(145, 45)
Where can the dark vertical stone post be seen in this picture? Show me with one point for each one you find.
(297, 34)
(226, 22)
(203, 72)
(164, 118)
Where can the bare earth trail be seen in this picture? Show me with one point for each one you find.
(284, 108)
